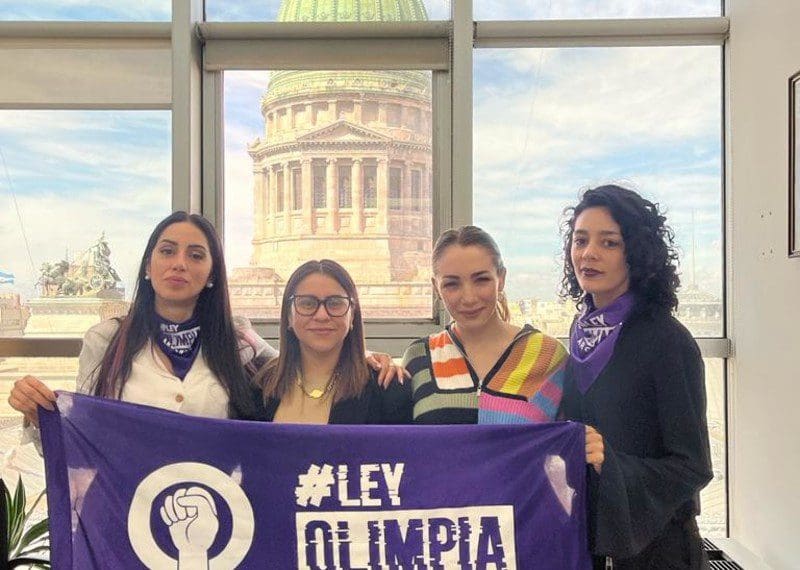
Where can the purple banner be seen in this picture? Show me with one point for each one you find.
(131, 486)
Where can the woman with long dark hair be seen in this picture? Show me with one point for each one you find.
(321, 374)
(481, 369)
(176, 348)
(635, 377)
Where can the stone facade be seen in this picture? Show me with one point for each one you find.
(343, 172)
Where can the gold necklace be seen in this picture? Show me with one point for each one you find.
(316, 393)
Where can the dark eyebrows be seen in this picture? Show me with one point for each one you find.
(174, 243)
(602, 233)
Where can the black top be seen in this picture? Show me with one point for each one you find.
(374, 406)
(649, 404)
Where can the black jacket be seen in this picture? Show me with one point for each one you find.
(649, 404)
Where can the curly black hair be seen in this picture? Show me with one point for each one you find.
(650, 250)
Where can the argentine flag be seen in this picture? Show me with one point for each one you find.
(6, 277)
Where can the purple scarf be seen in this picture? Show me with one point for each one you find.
(593, 337)
(180, 342)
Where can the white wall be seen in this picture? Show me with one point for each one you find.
(764, 301)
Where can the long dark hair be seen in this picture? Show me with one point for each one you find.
(213, 309)
(473, 235)
(353, 373)
(650, 250)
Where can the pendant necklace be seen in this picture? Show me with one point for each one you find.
(316, 393)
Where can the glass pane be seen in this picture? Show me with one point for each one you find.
(714, 499)
(87, 10)
(326, 10)
(550, 122)
(355, 148)
(80, 192)
(18, 460)
(587, 9)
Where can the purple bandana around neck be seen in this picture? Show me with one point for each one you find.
(593, 337)
(180, 342)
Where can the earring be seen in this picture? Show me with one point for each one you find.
(147, 277)
(209, 285)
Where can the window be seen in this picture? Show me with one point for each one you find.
(340, 135)
(416, 190)
(320, 187)
(279, 188)
(370, 188)
(114, 167)
(552, 121)
(345, 186)
(297, 189)
(653, 122)
(395, 188)
(360, 153)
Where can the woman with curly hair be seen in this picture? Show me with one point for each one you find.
(636, 379)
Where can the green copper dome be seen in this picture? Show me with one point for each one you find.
(352, 11)
(286, 84)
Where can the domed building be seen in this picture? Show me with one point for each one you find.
(343, 171)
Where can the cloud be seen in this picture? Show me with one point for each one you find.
(115, 168)
(549, 122)
(109, 10)
(567, 9)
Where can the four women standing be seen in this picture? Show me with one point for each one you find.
(635, 375)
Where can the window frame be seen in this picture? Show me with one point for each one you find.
(200, 51)
(275, 46)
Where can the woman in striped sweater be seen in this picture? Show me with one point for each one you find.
(481, 369)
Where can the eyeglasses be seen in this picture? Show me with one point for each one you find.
(307, 305)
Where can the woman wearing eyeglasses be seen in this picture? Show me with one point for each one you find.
(321, 375)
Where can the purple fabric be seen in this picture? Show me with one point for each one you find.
(130, 485)
(180, 342)
(593, 337)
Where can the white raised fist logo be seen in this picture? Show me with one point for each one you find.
(191, 516)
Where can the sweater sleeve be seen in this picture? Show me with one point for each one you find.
(548, 398)
(637, 496)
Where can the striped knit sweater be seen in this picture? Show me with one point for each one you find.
(524, 386)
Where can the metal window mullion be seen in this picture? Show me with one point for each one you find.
(602, 32)
(186, 106)
(213, 206)
(462, 112)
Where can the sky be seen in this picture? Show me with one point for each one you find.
(547, 123)
(114, 166)
(243, 10)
